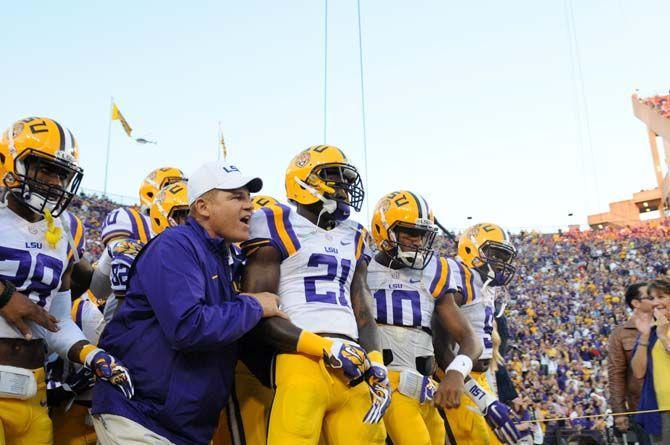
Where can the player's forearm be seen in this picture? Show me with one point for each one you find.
(278, 333)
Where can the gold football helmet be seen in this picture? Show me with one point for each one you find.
(260, 201)
(486, 248)
(170, 207)
(405, 215)
(323, 173)
(155, 181)
(31, 147)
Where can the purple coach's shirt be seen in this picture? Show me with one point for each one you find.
(177, 333)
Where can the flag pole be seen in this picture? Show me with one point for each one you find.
(109, 139)
(218, 144)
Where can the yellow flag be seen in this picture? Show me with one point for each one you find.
(117, 116)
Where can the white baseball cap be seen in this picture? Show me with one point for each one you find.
(219, 175)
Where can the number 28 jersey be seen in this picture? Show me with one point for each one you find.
(317, 267)
(30, 263)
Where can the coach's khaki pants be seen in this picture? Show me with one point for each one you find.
(117, 430)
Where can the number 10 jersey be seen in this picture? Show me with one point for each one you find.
(317, 267)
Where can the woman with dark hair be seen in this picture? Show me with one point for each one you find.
(652, 361)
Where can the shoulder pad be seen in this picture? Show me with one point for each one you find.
(272, 226)
(125, 223)
(439, 276)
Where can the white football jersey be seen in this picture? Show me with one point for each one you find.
(30, 263)
(316, 270)
(126, 223)
(404, 305)
(124, 232)
(479, 306)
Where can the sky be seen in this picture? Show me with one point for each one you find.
(482, 107)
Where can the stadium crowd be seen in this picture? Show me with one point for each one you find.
(563, 303)
(660, 103)
(561, 307)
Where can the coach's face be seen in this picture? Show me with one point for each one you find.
(229, 212)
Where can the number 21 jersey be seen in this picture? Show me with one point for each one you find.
(317, 267)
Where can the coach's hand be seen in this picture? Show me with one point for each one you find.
(270, 304)
(449, 392)
(19, 310)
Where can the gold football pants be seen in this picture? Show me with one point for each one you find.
(409, 422)
(311, 400)
(27, 422)
(467, 423)
(246, 413)
(72, 427)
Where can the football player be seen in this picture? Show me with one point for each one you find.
(485, 262)
(244, 419)
(409, 284)
(125, 231)
(312, 256)
(39, 242)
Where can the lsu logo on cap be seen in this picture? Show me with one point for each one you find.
(230, 169)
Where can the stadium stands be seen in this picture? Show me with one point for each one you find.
(564, 301)
(660, 103)
(562, 305)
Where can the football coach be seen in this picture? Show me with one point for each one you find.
(178, 328)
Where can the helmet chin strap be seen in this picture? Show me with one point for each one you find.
(329, 205)
(409, 258)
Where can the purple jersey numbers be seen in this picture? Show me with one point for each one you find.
(119, 276)
(398, 296)
(332, 268)
(44, 279)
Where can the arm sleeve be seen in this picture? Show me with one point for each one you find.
(363, 252)
(173, 281)
(68, 333)
(616, 372)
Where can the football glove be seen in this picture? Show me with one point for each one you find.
(376, 376)
(417, 386)
(105, 367)
(349, 357)
(497, 414)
